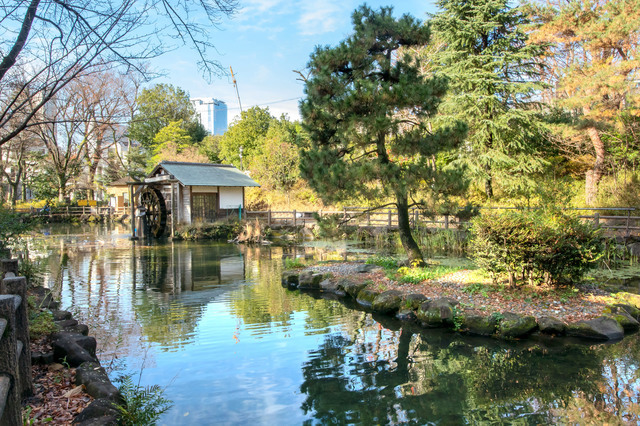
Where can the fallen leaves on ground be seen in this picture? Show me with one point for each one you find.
(566, 304)
(56, 399)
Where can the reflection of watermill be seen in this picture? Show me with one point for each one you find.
(156, 210)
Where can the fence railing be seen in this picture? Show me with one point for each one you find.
(72, 211)
(15, 351)
(388, 217)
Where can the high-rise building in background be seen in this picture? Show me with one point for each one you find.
(212, 114)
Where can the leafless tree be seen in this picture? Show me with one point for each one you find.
(46, 44)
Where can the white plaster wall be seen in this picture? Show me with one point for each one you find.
(186, 204)
(231, 197)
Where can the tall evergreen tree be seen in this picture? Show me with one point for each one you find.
(493, 74)
(365, 113)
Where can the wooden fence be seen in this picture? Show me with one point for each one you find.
(388, 218)
(75, 211)
(15, 352)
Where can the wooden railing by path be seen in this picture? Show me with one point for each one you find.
(625, 219)
(15, 351)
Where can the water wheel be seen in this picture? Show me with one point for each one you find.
(156, 210)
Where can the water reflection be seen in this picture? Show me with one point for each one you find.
(214, 321)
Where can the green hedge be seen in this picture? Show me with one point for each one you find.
(535, 246)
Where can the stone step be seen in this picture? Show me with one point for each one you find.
(5, 384)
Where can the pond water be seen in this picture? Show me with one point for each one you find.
(212, 323)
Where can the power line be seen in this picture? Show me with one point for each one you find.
(270, 103)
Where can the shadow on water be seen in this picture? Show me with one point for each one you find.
(214, 321)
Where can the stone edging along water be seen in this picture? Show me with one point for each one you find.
(620, 318)
(71, 345)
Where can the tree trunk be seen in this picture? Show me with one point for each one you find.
(408, 243)
(488, 187)
(594, 175)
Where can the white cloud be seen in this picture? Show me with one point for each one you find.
(320, 18)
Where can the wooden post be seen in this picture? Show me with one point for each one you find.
(269, 217)
(133, 213)
(596, 219)
(368, 218)
(389, 211)
(446, 221)
(415, 217)
(294, 218)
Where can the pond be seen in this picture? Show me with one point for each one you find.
(212, 323)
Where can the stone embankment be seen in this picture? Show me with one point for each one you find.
(618, 318)
(72, 346)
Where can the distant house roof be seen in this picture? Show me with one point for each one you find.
(203, 174)
(123, 181)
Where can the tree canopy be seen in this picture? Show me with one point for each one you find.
(246, 132)
(160, 106)
(494, 74)
(366, 113)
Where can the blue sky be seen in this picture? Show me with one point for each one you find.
(264, 43)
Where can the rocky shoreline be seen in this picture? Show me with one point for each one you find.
(72, 347)
(351, 282)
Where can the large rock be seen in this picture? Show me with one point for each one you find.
(481, 325)
(551, 325)
(631, 310)
(330, 286)
(514, 325)
(366, 297)
(367, 267)
(387, 302)
(601, 328)
(350, 287)
(99, 412)
(73, 348)
(626, 321)
(414, 300)
(97, 383)
(290, 279)
(437, 313)
(310, 280)
(59, 315)
(634, 249)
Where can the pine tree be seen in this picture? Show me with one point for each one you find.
(493, 74)
(592, 67)
(366, 115)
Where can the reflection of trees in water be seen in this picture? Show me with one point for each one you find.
(375, 375)
(267, 302)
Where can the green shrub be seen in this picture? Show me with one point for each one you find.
(540, 246)
(383, 261)
(294, 263)
(41, 324)
(143, 405)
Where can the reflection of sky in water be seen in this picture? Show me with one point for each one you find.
(212, 322)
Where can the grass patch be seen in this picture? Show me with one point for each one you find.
(385, 262)
(294, 263)
(417, 275)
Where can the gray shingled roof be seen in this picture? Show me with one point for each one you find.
(202, 174)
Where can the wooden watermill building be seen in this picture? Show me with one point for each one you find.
(176, 192)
